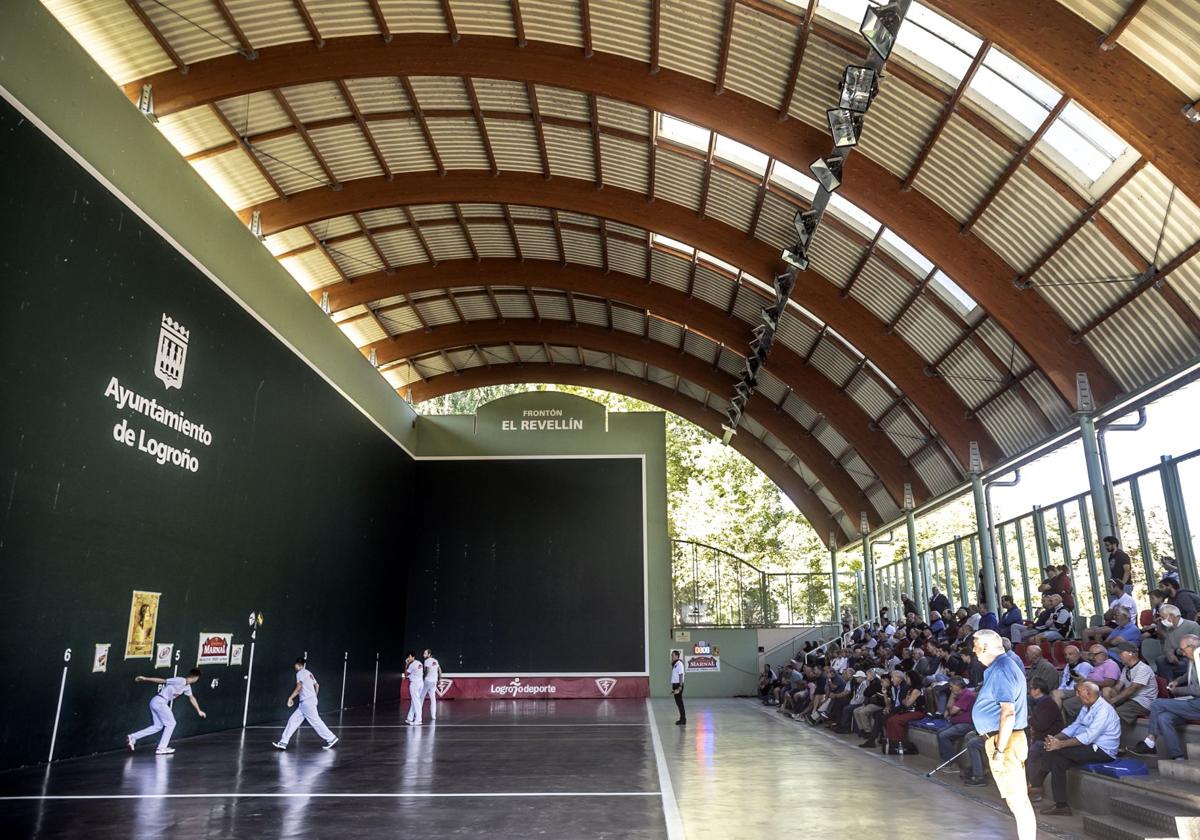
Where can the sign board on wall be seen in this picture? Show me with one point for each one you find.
(235, 656)
(537, 688)
(143, 616)
(100, 659)
(701, 662)
(214, 649)
(542, 413)
(162, 655)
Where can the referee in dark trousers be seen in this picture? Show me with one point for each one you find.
(1000, 715)
(677, 686)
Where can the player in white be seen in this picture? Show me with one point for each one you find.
(160, 709)
(415, 672)
(433, 673)
(677, 679)
(308, 688)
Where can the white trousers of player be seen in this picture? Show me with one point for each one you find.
(164, 721)
(430, 691)
(306, 711)
(416, 698)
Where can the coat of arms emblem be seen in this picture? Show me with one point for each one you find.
(172, 352)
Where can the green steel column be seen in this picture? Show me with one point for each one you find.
(971, 542)
(1181, 534)
(858, 594)
(1098, 591)
(1040, 541)
(833, 577)
(1002, 539)
(869, 568)
(961, 566)
(1139, 518)
(907, 586)
(914, 560)
(1099, 492)
(1024, 565)
(1065, 539)
(946, 575)
(984, 529)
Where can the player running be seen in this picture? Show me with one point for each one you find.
(160, 709)
(308, 688)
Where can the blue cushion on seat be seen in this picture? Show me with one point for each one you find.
(1120, 767)
(932, 724)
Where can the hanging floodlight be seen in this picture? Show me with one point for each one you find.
(744, 390)
(828, 172)
(256, 226)
(794, 257)
(1192, 112)
(146, 103)
(805, 222)
(750, 374)
(326, 307)
(881, 25)
(373, 357)
(859, 86)
(846, 126)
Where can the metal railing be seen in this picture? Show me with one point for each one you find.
(716, 588)
(1151, 519)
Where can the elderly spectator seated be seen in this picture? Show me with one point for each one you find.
(866, 715)
(837, 695)
(1075, 671)
(1105, 673)
(1118, 598)
(937, 626)
(1125, 631)
(1039, 667)
(1045, 718)
(1058, 582)
(1010, 617)
(1172, 628)
(1042, 624)
(1092, 739)
(1187, 600)
(911, 706)
(958, 712)
(1062, 623)
(766, 681)
(970, 617)
(859, 684)
(1136, 690)
(1183, 705)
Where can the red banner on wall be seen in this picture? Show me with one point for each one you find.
(502, 687)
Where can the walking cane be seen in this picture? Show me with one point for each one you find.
(944, 763)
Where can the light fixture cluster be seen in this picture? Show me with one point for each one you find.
(859, 87)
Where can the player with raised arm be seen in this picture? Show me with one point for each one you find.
(160, 709)
(307, 688)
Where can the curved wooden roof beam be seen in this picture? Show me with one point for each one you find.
(842, 412)
(983, 273)
(619, 383)
(932, 396)
(529, 331)
(1115, 85)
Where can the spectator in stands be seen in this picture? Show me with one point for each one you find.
(987, 618)
(911, 707)
(910, 606)
(766, 680)
(1158, 597)
(1062, 623)
(839, 698)
(1092, 739)
(1105, 673)
(1045, 719)
(1120, 567)
(1038, 667)
(1118, 598)
(1075, 671)
(951, 620)
(1170, 568)
(1124, 631)
(1137, 688)
(1042, 624)
(928, 666)
(1182, 706)
(836, 687)
(873, 700)
(1058, 582)
(938, 603)
(1172, 628)
(860, 685)
(970, 617)
(958, 712)
(1187, 600)
(1010, 616)
(936, 626)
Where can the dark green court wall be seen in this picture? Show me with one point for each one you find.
(289, 510)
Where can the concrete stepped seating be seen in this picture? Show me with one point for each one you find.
(1110, 827)
(1167, 822)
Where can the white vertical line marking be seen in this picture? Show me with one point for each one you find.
(670, 807)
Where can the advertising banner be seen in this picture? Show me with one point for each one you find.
(235, 657)
(143, 616)
(162, 657)
(100, 659)
(502, 687)
(701, 662)
(214, 648)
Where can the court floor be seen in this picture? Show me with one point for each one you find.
(570, 769)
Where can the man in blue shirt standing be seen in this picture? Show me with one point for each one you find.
(1093, 738)
(1000, 715)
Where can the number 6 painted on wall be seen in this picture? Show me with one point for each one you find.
(67, 655)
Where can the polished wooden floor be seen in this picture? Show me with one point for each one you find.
(565, 769)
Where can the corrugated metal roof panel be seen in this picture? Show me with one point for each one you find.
(553, 20)
(625, 164)
(1143, 340)
(662, 377)
(796, 334)
(1139, 210)
(970, 374)
(570, 152)
(1009, 423)
(692, 390)
(492, 240)
(934, 470)
(625, 116)
(903, 432)
(501, 95)
(800, 411)
(335, 226)
(900, 120)
(817, 84)
(515, 145)
(775, 222)
(588, 310)
(835, 255)
(1186, 281)
(254, 113)
(665, 332)
(458, 143)
(621, 27)
(514, 305)
(1068, 280)
(678, 179)
(1027, 217)
(702, 347)
(731, 199)
(537, 242)
(583, 248)
(291, 164)
(384, 216)
(870, 395)
(748, 308)
(1001, 343)
(962, 168)
(381, 94)
(832, 362)
(401, 247)
(484, 17)
(311, 269)
(111, 34)
(563, 102)
(414, 15)
(730, 362)
(760, 56)
(669, 270)
(355, 257)
(447, 242)
(269, 22)
(878, 496)
(347, 152)
(339, 19)
(429, 212)
(475, 210)
(690, 36)
(629, 320)
(627, 258)
(476, 307)
(288, 240)
(403, 145)
(552, 306)
(1048, 399)
(926, 329)
(193, 28)
(881, 290)
(770, 387)
(524, 211)
(437, 92)
(318, 101)
(234, 179)
(193, 130)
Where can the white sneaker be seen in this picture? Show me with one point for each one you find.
(165, 751)
(129, 740)
(279, 745)
(329, 744)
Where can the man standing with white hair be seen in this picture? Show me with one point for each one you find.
(1000, 715)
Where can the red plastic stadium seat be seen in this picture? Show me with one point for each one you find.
(1058, 654)
(1019, 650)
(1147, 618)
